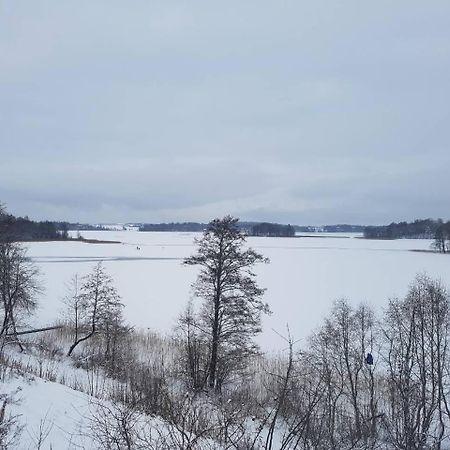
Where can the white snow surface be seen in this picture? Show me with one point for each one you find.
(304, 277)
(60, 412)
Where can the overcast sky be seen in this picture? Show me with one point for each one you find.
(306, 112)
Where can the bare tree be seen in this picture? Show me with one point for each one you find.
(100, 305)
(75, 312)
(10, 429)
(194, 349)
(416, 333)
(42, 432)
(349, 405)
(19, 286)
(297, 389)
(189, 421)
(283, 390)
(301, 411)
(115, 426)
(232, 307)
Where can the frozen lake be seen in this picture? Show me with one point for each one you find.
(304, 277)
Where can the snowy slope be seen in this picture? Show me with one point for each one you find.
(60, 412)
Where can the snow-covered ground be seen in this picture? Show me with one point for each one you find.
(304, 277)
(50, 412)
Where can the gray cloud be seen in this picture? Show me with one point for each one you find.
(305, 112)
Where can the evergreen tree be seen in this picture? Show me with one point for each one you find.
(232, 307)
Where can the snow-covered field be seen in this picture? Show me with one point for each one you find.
(304, 277)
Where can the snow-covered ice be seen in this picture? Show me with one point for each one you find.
(304, 277)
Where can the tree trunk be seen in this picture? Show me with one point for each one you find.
(79, 341)
(214, 349)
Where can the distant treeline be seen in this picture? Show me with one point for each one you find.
(254, 228)
(184, 226)
(272, 230)
(251, 228)
(79, 226)
(24, 229)
(339, 228)
(419, 229)
(189, 226)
